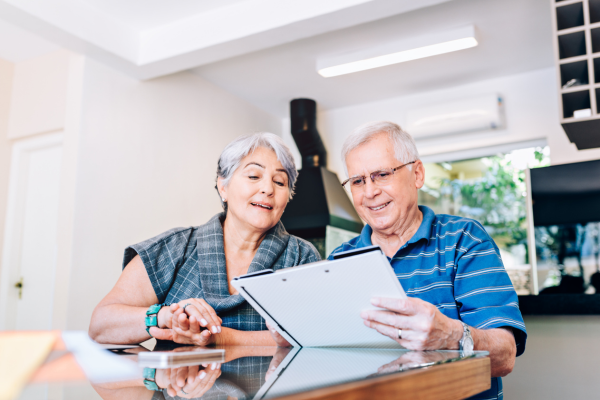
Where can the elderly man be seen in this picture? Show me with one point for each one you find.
(459, 295)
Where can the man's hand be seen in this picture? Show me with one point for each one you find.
(423, 326)
(280, 340)
(279, 356)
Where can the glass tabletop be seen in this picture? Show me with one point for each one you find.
(253, 373)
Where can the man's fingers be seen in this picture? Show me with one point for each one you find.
(386, 330)
(387, 318)
(407, 306)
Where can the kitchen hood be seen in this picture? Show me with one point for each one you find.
(320, 200)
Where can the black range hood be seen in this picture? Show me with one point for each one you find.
(320, 199)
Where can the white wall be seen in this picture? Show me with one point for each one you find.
(39, 96)
(6, 79)
(531, 112)
(147, 163)
(561, 360)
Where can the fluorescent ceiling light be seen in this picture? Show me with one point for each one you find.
(397, 52)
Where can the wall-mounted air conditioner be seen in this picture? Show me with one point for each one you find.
(479, 113)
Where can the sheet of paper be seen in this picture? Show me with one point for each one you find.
(99, 365)
(20, 355)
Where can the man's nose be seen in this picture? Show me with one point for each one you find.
(371, 189)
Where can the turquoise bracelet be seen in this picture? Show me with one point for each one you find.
(152, 316)
(149, 375)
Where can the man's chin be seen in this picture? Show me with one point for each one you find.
(381, 223)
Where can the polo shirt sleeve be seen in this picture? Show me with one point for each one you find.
(484, 294)
(162, 256)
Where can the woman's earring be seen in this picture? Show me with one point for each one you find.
(223, 199)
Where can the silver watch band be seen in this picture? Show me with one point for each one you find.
(466, 342)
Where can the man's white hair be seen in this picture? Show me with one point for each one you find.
(405, 148)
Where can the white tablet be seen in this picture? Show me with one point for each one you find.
(319, 304)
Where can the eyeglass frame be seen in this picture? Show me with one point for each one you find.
(374, 172)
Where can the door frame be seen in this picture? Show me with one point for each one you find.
(13, 235)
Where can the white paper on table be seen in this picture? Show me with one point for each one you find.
(98, 364)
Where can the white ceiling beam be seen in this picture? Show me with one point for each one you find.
(200, 39)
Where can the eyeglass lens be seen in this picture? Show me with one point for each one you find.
(378, 177)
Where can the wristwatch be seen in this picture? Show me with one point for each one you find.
(152, 316)
(466, 342)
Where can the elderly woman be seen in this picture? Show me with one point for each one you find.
(176, 286)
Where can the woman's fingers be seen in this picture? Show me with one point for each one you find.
(182, 375)
(184, 322)
(192, 373)
(194, 325)
(205, 314)
(161, 334)
(171, 392)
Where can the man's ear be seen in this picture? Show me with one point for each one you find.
(419, 171)
(222, 189)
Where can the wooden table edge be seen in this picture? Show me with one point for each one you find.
(455, 380)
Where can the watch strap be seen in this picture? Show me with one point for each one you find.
(466, 342)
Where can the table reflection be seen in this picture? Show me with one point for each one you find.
(268, 372)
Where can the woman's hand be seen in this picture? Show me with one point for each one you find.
(188, 382)
(192, 326)
(279, 340)
(189, 331)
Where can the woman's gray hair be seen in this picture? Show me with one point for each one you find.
(405, 148)
(234, 153)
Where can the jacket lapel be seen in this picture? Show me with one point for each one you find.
(212, 267)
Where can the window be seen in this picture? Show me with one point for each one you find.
(492, 191)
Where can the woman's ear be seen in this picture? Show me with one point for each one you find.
(222, 189)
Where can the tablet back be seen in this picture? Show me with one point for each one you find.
(319, 304)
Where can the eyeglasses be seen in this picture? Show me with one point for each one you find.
(381, 177)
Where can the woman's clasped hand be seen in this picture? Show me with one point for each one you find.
(190, 321)
(188, 382)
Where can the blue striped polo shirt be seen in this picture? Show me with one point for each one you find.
(454, 264)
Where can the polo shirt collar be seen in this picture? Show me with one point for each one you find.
(424, 231)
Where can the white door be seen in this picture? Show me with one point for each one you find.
(30, 243)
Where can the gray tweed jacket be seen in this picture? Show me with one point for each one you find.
(185, 263)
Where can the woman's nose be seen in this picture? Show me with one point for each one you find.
(267, 189)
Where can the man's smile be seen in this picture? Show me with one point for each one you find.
(380, 207)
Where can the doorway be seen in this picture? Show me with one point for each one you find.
(30, 241)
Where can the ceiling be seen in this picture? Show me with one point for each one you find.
(148, 14)
(151, 38)
(265, 50)
(17, 44)
(514, 36)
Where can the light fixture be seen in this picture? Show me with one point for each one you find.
(398, 52)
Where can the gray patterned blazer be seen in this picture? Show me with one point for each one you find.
(188, 263)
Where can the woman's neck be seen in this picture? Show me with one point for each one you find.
(240, 244)
(238, 237)
(390, 243)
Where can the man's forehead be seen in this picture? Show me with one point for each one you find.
(366, 159)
